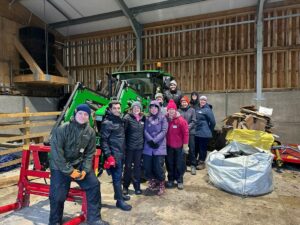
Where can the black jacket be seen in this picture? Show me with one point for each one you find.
(66, 142)
(112, 136)
(189, 115)
(175, 95)
(134, 132)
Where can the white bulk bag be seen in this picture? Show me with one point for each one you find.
(241, 169)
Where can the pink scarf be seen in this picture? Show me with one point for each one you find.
(137, 117)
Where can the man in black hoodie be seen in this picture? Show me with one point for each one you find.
(112, 145)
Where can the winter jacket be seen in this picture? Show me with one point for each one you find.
(112, 136)
(73, 145)
(205, 121)
(134, 132)
(156, 127)
(178, 132)
(176, 96)
(189, 115)
(194, 103)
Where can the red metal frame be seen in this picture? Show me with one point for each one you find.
(287, 154)
(27, 187)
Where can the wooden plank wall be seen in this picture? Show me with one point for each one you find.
(212, 59)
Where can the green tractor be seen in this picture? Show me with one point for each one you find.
(126, 87)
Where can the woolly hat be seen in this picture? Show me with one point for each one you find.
(159, 95)
(173, 82)
(203, 97)
(83, 107)
(171, 105)
(185, 98)
(136, 103)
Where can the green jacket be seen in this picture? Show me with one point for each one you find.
(66, 142)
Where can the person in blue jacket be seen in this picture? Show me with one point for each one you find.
(205, 123)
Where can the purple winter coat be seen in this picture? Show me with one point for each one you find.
(156, 127)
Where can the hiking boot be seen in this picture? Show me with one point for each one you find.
(193, 170)
(180, 186)
(170, 184)
(125, 191)
(126, 197)
(123, 205)
(200, 166)
(152, 185)
(162, 188)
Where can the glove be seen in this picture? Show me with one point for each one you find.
(186, 148)
(153, 145)
(109, 162)
(83, 173)
(75, 174)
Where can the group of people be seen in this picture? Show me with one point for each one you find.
(174, 128)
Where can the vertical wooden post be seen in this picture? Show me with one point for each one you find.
(27, 129)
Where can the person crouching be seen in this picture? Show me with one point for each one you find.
(177, 146)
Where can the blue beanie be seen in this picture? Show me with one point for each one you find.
(83, 107)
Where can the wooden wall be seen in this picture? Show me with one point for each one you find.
(211, 59)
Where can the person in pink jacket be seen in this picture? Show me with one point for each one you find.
(177, 146)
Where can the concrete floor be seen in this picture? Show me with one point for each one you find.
(199, 203)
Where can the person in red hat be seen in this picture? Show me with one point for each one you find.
(189, 114)
(177, 146)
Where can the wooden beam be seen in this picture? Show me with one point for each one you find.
(42, 79)
(16, 115)
(19, 126)
(34, 67)
(10, 163)
(11, 150)
(61, 68)
(15, 138)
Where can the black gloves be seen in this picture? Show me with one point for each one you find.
(153, 145)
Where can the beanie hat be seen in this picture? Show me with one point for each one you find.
(136, 103)
(173, 82)
(185, 98)
(171, 105)
(203, 97)
(83, 107)
(159, 95)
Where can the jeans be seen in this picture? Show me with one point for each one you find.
(132, 156)
(59, 189)
(175, 164)
(201, 147)
(154, 167)
(116, 173)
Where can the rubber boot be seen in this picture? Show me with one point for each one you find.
(118, 193)
(162, 188)
(121, 204)
(125, 190)
(152, 185)
(137, 188)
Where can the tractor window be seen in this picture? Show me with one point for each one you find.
(141, 85)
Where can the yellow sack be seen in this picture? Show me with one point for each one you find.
(254, 138)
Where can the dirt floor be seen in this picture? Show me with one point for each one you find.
(199, 203)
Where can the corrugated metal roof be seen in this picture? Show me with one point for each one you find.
(107, 14)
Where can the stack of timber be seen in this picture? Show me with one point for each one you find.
(248, 118)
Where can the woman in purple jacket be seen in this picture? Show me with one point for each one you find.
(156, 127)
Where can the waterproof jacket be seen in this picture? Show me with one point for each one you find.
(112, 136)
(73, 145)
(134, 132)
(156, 127)
(175, 95)
(189, 115)
(178, 132)
(205, 121)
